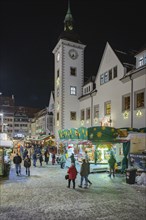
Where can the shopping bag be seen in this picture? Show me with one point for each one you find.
(66, 176)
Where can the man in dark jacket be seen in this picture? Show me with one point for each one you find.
(112, 162)
(17, 161)
(84, 171)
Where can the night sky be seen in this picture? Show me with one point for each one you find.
(29, 31)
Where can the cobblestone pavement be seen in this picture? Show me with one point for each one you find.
(44, 195)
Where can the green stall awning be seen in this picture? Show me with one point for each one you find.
(102, 134)
(83, 133)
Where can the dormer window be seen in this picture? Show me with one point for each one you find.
(106, 77)
(141, 61)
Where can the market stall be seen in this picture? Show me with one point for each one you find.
(6, 147)
(103, 139)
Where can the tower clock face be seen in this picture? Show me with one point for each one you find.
(58, 56)
(73, 54)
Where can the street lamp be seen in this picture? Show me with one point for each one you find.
(1, 114)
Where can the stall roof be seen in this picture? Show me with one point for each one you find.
(44, 137)
(8, 143)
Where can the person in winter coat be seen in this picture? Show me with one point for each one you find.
(72, 171)
(53, 158)
(46, 154)
(25, 153)
(84, 171)
(62, 161)
(27, 164)
(17, 161)
(86, 156)
(87, 161)
(112, 162)
(72, 158)
(34, 159)
(41, 159)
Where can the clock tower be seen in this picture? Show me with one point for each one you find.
(68, 76)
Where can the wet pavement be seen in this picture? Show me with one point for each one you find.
(44, 195)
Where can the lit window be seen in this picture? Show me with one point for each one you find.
(139, 99)
(126, 102)
(87, 113)
(72, 115)
(73, 90)
(108, 108)
(58, 81)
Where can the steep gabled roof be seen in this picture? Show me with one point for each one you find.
(127, 59)
(141, 49)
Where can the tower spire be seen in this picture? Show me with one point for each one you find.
(68, 21)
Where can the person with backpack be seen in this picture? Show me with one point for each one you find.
(17, 161)
(27, 164)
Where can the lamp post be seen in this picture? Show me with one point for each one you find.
(1, 114)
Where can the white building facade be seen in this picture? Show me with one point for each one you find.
(117, 95)
(120, 98)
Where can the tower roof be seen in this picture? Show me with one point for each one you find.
(69, 33)
(68, 16)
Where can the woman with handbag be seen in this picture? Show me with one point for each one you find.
(72, 172)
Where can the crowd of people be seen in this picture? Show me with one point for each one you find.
(26, 155)
(72, 172)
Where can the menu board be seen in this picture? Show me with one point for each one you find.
(1, 162)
